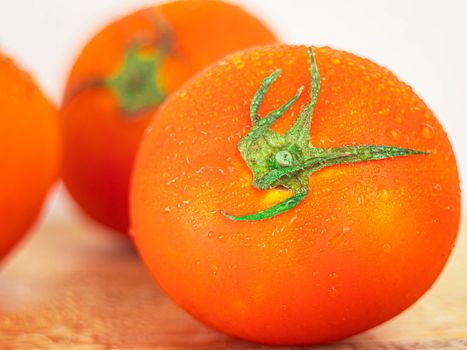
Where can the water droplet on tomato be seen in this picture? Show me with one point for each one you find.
(214, 268)
(387, 248)
(383, 194)
(325, 141)
(333, 275)
(338, 237)
(436, 188)
(336, 61)
(239, 64)
(394, 133)
(361, 199)
(427, 131)
(332, 219)
(292, 220)
(333, 292)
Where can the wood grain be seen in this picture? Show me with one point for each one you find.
(72, 287)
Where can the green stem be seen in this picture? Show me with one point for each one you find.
(277, 209)
(335, 156)
(260, 126)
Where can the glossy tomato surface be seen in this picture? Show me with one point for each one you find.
(368, 240)
(103, 126)
(29, 152)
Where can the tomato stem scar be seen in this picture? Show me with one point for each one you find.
(288, 160)
(137, 83)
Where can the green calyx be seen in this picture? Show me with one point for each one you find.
(137, 84)
(287, 161)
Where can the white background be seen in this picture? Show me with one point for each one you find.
(423, 42)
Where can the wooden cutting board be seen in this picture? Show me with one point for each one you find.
(72, 287)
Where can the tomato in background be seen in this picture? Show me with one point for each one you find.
(121, 77)
(30, 149)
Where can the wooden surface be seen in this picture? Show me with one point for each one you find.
(70, 286)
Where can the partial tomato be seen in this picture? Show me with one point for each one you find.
(295, 234)
(29, 152)
(121, 77)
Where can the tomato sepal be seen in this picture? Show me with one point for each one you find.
(137, 83)
(287, 161)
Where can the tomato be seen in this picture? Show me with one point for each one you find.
(29, 152)
(360, 228)
(121, 77)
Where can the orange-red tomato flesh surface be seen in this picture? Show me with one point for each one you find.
(368, 240)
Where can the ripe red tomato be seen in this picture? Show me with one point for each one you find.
(122, 76)
(351, 221)
(30, 148)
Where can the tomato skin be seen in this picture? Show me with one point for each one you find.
(101, 140)
(365, 244)
(30, 146)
